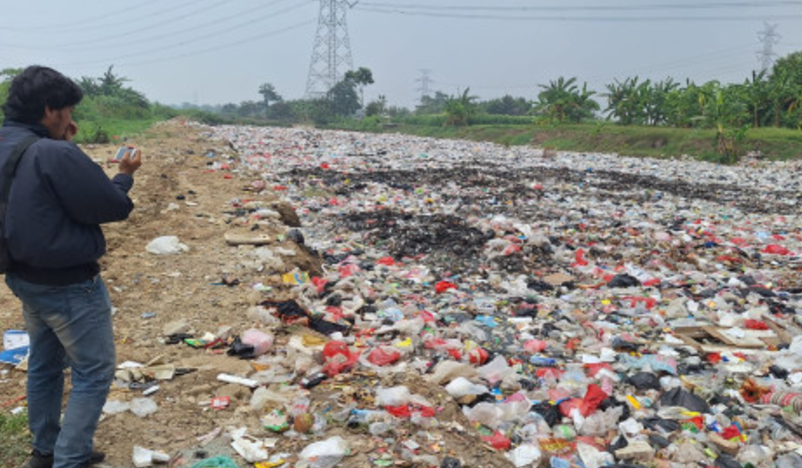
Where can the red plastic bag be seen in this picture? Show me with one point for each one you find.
(593, 398)
(401, 411)
(498, 441)
(730, 433)
(568, 405)
(347, 270)
(339, 358)
(382, 357)
(535, 346)
(320, 284)
(580, 258)
(594, 369)
(388, 261)
(755, 325)
(776, 250)
(443, 286)
(478, 356)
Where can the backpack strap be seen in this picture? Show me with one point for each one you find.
(11, 166)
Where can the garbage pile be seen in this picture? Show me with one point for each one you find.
(577, 310)
(581, 310)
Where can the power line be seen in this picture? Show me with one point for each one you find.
(191, 40)
(640, 7)
(103, 43)
(207, 49)
(95, 23)
(596, 19)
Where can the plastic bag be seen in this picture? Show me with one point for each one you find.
(496, 370)
(498, 441)
(593, 398)
(339, 358)
(166, 245)
(395, 396)
(143, 407)
(383, 356)
(461, 387)
(324, 454)
(525, 455)
(260, 341)
(683, 398)
(644, 381)
(446, 371)
(551, 413)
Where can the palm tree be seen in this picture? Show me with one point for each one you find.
(756, 94)
(460, 108)
(562, 101)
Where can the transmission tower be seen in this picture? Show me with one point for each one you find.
(769, 38)
(424, 80)
(331, 54)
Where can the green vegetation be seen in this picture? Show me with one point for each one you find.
(655, 142)
(110, 110)
(15, 439)
(710, 121)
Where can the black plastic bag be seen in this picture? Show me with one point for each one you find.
(726, 461)
(644, 381)
(667, 425)
(240, 349)
(623, 281)
(619, 443)
(551, 413)
(684, 399)
(659, 441)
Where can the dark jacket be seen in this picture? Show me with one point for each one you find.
(59, 198)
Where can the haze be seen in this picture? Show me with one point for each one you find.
(215, 52)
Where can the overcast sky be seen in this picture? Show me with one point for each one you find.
(218, 51)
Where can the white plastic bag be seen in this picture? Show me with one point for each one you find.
(525, 455)
(461, 387)
(143, 407)
(166, 245)
(324, 454)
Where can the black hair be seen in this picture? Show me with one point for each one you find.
(36, 88)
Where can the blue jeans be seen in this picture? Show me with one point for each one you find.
(68, 326)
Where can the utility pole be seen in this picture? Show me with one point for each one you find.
(424, 81)
(769, 38)
(331, 54)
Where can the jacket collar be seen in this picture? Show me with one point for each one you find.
(38, 129)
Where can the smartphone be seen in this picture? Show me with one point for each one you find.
(121, 153)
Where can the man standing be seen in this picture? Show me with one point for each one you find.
(59, 198)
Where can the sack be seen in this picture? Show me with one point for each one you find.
(8, 176)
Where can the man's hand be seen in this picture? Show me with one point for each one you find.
(129, 165)
(70, 131)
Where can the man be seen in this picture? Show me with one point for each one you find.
(59, 197)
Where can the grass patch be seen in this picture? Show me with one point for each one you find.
(111, 130)
(15, 440)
